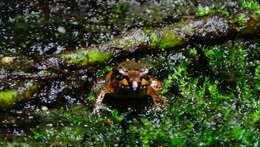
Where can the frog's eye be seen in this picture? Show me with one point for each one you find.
(123, 82)
(144, 82)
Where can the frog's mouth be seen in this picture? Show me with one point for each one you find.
(132, 100)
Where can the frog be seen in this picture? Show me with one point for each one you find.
(129, 80)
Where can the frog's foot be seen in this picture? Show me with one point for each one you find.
(155, 110)
(158, 102)
(96, 111)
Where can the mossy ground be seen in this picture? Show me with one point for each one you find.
(216, 104)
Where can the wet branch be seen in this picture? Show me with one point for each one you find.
(203, 30)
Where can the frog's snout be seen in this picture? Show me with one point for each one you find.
(134, 85)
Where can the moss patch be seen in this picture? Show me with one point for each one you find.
(168, 39)
(84, 57)
(7, 98)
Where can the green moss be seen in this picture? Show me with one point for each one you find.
(11, 97)
(216, 56)
(164, 38)
(65, 135)
(240, 134)
(84, 57)
(257, 78)
(91, 97)
(207, 11)
(191, 52)
(203, 100)
(7, 97)
(8, 94)
(204, 11)
(148, 30)
(78, 57)
(82, 126)
(255, 117)
(175, 77)
(250, 4)
(121, 8)
(154, 39)
(99, 57)
(103, 71)
(116, 116)
(169, 39)
(257, 72)
(242, 19)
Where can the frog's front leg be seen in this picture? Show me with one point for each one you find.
(100, 97)
(154, 90)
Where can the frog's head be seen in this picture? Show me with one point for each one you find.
(133, 75)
